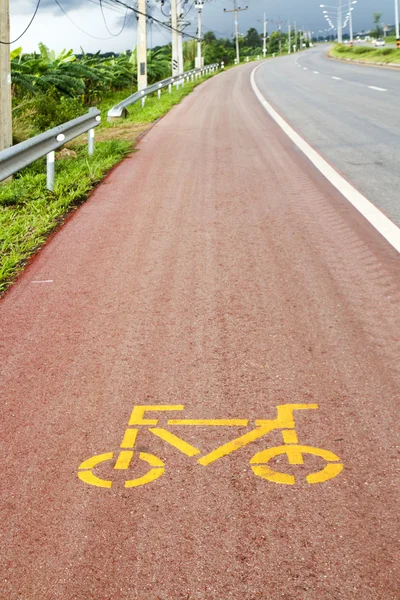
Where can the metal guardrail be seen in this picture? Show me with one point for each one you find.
(21, 155)
(120, 110)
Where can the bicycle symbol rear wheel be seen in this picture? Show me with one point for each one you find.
(294, 452)
(85, 472)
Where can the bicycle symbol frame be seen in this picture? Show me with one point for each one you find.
(259, 462)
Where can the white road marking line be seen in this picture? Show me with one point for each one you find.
(44, 281)
(373, 87)
(316, 72)
(378, 220)
(337, 78)
(305, 68)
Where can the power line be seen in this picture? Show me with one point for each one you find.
(138, 12)
(95, 37)
(105, 22)
(25, 30)
(115, 9)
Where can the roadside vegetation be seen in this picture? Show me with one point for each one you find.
(29, 212)
(49, 89)
(367, 54)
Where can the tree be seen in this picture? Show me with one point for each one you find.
(209, 37)
(252, 39)
(377, 32)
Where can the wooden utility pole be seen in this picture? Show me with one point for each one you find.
(5, 77)
(236, 10)
(142, 46)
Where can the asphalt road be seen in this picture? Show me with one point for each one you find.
(217, 274)
(338, 110)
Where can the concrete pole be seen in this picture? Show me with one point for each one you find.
(199, 60)
(340, 37)
(180, 37)
(289, 39)
(351, 24)
(265, 38)
(142, 46)
(174, 25)
(280, 41)
(236, 33)
(5, 77)
(396, 16)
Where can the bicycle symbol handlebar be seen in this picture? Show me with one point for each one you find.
(259, 463)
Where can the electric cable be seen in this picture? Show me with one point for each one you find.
(26, 29)
(138, 12)
(105, 22)
(95, 37)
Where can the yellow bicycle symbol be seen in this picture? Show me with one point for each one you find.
(259, 463)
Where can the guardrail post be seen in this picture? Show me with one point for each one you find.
(159, 94)
(170, 88)
(143, 101)
(50, 158)
(90, 142)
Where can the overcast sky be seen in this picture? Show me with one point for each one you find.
(59, 31)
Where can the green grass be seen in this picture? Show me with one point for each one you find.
(154, 108)
(29, 212)
(367, 53)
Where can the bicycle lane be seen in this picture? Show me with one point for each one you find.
(227, 281)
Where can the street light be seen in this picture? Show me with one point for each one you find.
(339, 15)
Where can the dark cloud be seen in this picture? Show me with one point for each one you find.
(306, 13)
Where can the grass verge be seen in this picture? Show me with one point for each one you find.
(367, 54)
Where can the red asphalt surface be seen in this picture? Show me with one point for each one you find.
(217, 269)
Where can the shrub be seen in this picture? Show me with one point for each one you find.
(51, 111)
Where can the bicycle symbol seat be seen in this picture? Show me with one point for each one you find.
(259, 462)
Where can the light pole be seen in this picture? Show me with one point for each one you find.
(396, 16)
(351, 20)
(339, 14)
(340, 37)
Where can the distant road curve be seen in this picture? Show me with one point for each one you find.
(348, 113)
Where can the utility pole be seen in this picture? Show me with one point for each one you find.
(289, 39)
(142, 46)
(396, 16)
(180, 36)
(5, 77)
(265, 38)
(199, 61)
(351, 24)
(174, 25)
(295, 35)
(236, 10)
(340, 37)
